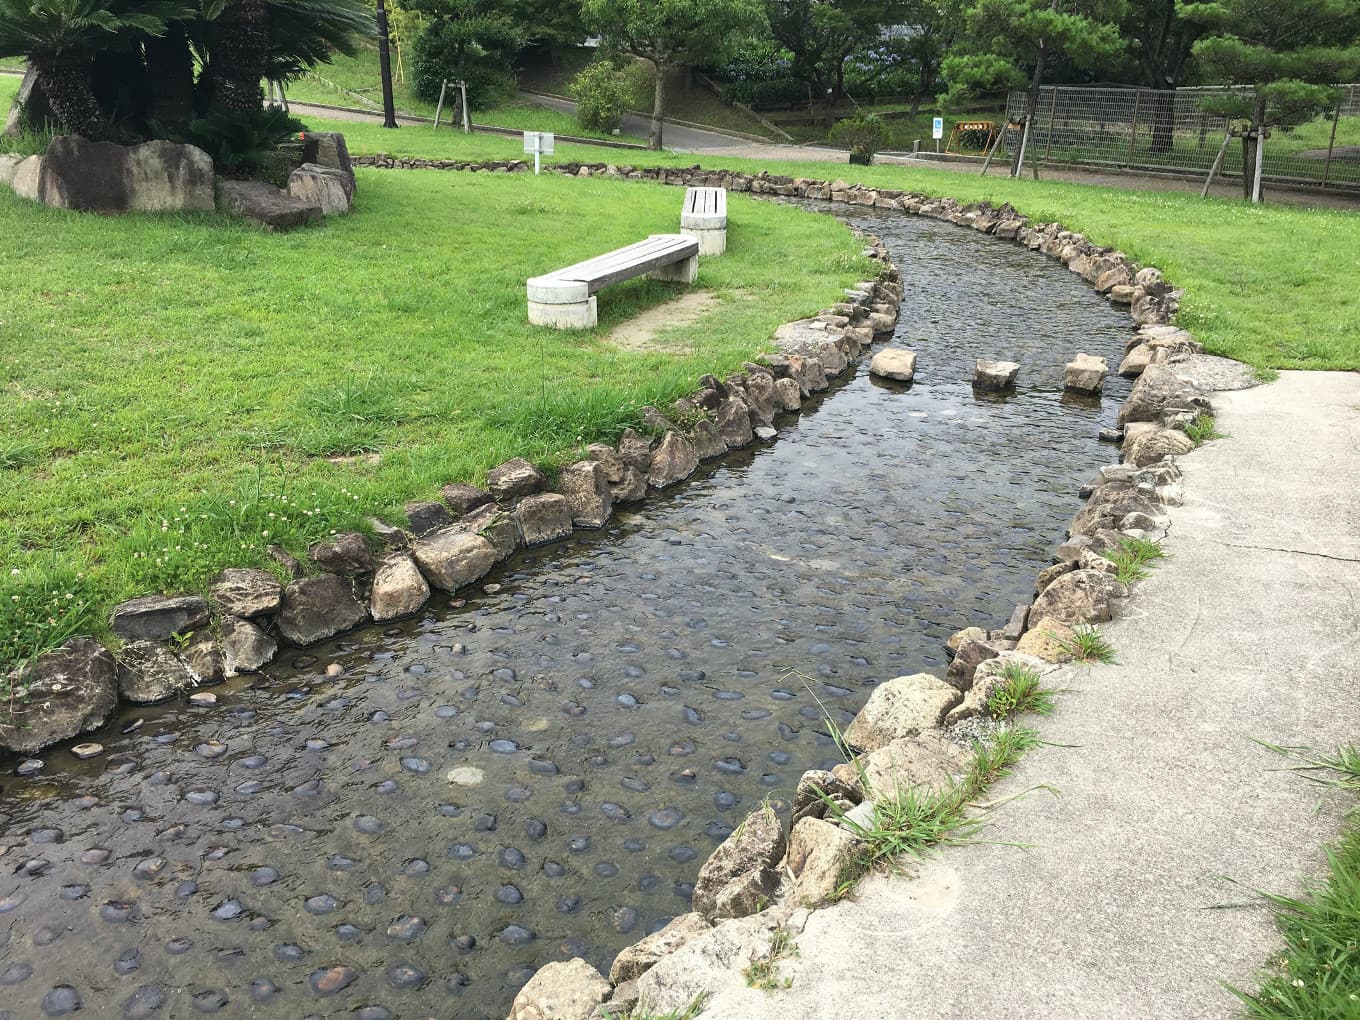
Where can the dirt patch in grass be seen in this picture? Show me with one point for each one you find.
(640, 333)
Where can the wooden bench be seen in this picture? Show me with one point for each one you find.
(704, 218)
(565, 298)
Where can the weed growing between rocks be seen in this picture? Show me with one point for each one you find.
(764, 972)
(1020, 690)
(1132, 557)
(1202, 429)
(641, 1012)
(1088, 645)
(1318, 976)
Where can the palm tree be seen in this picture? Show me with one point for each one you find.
(60, 38)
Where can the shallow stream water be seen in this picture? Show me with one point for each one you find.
(624, 698)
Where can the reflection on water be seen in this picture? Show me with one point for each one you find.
(615, 708)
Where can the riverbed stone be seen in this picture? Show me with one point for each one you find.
(158, 617)
(994, 376)
(451, 559)
(635, 960)
(1085, 374)
(585, 487)
(1156, 389)
(316, 608)
(818, 786)
(609, 460)
(901, 707)
(245, 647)
(969, 655)
(1136, 361)
(635, 451)
(1156, 444)
(1050, 574)
(246, 592)
(346, 553)
(708, 441)
(204, 657)
(515, 478)
(463, 499)
(632, 488)
(1079, 597)
(673, 461)
(399, 588)
(787, 394)
(716, 957)
(498, 526)
(544, 518)
(929, 759)
(822, 858)
(894, 363)
(561, 990)
(739, 878)
(734, 423)
(1048, 640)
(68, 690)
(425, 515)
(761, 396)
(149, 672)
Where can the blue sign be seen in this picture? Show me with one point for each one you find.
(937, 128)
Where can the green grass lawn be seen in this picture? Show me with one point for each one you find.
(178, 392)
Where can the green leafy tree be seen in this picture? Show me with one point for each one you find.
(472, 40)
(1005, 37)
(670, 34)
(1159, 57)
(1290, 52)
(822, 35)
(60, 38)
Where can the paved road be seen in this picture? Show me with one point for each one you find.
(674, 136)
(1138, 896)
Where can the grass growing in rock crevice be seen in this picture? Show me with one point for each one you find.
(179, 392)
(1088, 645)
(1318, 975)
(1202, 429)
(1133, 556)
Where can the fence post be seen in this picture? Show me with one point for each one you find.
(1052, 119)
(1133, 128)
(1331, 144)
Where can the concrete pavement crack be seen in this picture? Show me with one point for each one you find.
(1292, 552)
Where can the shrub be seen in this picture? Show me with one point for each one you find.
(244, 143)
(602, 95)
(465, 45)
(865, 133)
(760, 76)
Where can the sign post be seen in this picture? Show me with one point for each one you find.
(937, 131)
(540, 143)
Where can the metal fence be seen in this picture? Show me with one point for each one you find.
(1170, 132)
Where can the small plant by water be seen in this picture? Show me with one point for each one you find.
(41, 605)
(1203, 429)
(1132, 557)
(1318, 975)
(641, 1012)
(1020, 690)
(1088, 645)
(764, 972)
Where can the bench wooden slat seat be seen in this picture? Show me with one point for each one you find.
(704, 217)
(565, 298)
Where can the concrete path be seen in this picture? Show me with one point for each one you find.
(673, 136)
(1136, 899)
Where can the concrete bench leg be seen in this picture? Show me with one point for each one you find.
(678, 272)
(575, 315)
(711, 242)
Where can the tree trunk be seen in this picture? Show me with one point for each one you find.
(658, 106)
(68, 83)
(170, 77)
(1251, 148)
(1031, 107)
(1163, 121)
(241, 56)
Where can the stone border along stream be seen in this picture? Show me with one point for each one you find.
(899, 732)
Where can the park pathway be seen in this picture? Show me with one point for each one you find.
(1137, 896)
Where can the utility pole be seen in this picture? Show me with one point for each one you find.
(385, 65)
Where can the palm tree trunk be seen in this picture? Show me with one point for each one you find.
(241, 56)
(68, 84)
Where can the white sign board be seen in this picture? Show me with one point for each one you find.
(936, 128)
(539, 142)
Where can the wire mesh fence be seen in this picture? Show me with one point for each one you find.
(1170, 132)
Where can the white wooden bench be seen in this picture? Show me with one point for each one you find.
(565, 298)
(704, 218)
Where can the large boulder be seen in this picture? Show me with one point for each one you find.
(399, 588)
(327, 149)
(740, 877)
(9, 166)
(330, 189)
(929, 759)
(894, 363)
(148, 672)
(64, 692)
(901, 707)
(316, 608)
(26, 178)
(734, 423)
(515, 478)
(1078, 597)
(823, 858)
(544, 518)
(158, 617)
(673, 461)
(1156, 390)
(561, 990)
(271, 207)
(635, 960)
(156, 176)
(585, 487)
(452, 559)
(246, 592)
(708, 441)
(246, 648)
